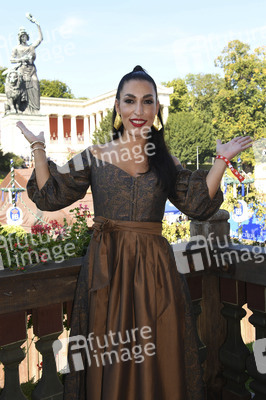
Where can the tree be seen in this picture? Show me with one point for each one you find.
(103, 134)
(184, 131)
(55, 89)
(202, 89)
(2, 80)
(239, 107)
(179, 98)
(5, 161)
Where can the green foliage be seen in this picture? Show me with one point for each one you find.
(203, 88)
(230, 201)
(55, 89)
(79, 233)
(185, 131)
(239, 107)
(5, 161)
(2, 176)
(169, 232)
(46, 242)
(183, 230)
(172, 232)
(2, 80)
(103, 134)
(48, 88)
(6, 230)
(190, 121)
(28, 387)
(179, 99)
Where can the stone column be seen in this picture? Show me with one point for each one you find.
(98, 119)
(92, 124)
(87, 140)
(74, 139)
(47, 131)
(60, 128)
(165, 113)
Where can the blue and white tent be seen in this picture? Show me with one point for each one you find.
(171, 213)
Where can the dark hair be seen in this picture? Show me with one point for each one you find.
(161, 162)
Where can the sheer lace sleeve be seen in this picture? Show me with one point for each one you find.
(65, 185)
(191, 195)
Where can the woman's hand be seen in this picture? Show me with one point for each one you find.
(28, 134)
(40, 161)
(232, 148)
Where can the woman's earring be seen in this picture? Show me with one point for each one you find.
(157, 123)
(117, 121)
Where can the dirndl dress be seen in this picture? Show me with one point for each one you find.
(131, 303)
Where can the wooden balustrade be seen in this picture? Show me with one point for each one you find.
(218, 292)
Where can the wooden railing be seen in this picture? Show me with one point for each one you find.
(236, 276)
(218, 292)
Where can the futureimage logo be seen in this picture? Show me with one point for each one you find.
(259, 350)
(123, 155)
(29, 255)
(198, 251)
(114, 347)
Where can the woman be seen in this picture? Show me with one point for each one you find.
(131, 303)
(24, 55)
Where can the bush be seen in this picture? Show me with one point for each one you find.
(172, 232)
(46, 242)
(5, 161)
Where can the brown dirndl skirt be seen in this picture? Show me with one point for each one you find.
(134, 309)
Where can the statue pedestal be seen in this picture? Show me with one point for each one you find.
(12, 140)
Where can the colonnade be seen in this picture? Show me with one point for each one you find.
(67, 130)
(72, 130)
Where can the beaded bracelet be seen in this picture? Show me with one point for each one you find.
(234, 171)
(37, 141)
(37, 148)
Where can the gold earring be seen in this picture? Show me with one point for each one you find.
(117, 121)
(157, 123)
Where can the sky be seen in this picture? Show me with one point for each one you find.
(90, 45)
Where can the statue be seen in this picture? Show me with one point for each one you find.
(22, 85)
(16, 94)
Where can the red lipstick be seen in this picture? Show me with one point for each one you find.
(138, 123)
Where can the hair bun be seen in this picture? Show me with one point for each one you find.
(138, 68)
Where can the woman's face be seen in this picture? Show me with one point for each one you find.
(137, 106)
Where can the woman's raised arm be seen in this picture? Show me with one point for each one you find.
(228, 150)
(38, 148)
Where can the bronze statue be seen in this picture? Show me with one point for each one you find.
(22, 85)
(15, 90)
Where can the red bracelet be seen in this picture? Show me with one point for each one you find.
(234, 171)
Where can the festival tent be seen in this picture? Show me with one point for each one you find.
(31, 215)
(171, 213)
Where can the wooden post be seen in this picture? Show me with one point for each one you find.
(256, 299)
(211, 324)
(233, 352)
